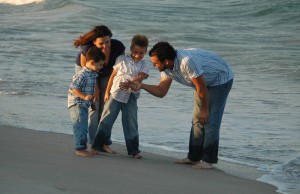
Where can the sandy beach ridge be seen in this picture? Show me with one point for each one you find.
(44, 162)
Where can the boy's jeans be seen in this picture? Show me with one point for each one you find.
(79, 118)
(129, 122)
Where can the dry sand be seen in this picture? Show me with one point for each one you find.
(44, 162)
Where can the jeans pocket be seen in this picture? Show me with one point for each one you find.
(74, 112)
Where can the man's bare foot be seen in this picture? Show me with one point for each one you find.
(107, 149)
(203, 165)
(83, 153)
(185, 161)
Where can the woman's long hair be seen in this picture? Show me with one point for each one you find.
(96, 32)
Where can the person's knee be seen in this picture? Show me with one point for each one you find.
(197, 129)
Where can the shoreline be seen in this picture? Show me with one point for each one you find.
(44, 162)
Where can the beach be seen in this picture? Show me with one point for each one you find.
(259, 135)
(44, 162)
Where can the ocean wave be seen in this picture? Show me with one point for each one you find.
(5, 93)
(285, 176)
(30, 6)
(20, 2)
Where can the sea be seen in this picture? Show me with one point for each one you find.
(260, 132)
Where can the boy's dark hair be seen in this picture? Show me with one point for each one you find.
(139, 40)
(95, 53)
(163, 50)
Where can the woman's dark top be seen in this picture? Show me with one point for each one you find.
(117, 48)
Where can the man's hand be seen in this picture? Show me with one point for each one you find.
(204, 116)
(134, 85)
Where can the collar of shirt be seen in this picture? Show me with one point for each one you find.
(90, 71)
(175, 67)
(87, 69)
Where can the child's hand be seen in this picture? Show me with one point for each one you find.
(106, 97)
(93, 107)
(124, 85)
(135, 85)
(88, 97)
(96, 97)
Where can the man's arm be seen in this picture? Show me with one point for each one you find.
(159, 90)
(202, 92)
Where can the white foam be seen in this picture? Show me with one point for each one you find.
(20, 2)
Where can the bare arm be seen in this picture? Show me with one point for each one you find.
(96, 94)
(159, 90)
(126, 85)
(82, 60)
(202, 92)
(109, 85)
(141, 77)
(82, 95)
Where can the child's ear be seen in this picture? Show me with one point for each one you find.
(93, 62)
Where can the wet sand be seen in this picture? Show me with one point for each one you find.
(44, 162)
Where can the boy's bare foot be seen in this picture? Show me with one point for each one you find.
(203, 165)
(93, 151)
(185, 161)
(83, 153)
(107, 149)
(137, 156)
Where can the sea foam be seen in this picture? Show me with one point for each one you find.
(20, 2)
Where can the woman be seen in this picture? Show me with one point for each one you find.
(99, 36)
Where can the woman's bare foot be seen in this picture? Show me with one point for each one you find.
(83, 153)
(107, 149)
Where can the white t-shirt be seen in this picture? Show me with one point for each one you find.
(127, 69)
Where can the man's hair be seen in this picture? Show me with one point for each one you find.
(139, 40)
(163, 50)
(94, 53)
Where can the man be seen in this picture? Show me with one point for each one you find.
(212, 78)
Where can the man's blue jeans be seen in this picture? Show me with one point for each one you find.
(204, 140)
(129, 122)
(79, 118)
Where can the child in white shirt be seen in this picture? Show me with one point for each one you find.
(127, 68)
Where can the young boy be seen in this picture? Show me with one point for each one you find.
(127, 67)
(80, 97)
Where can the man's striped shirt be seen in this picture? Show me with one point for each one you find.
(192, 63)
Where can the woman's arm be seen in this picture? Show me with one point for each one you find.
(82, 60)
